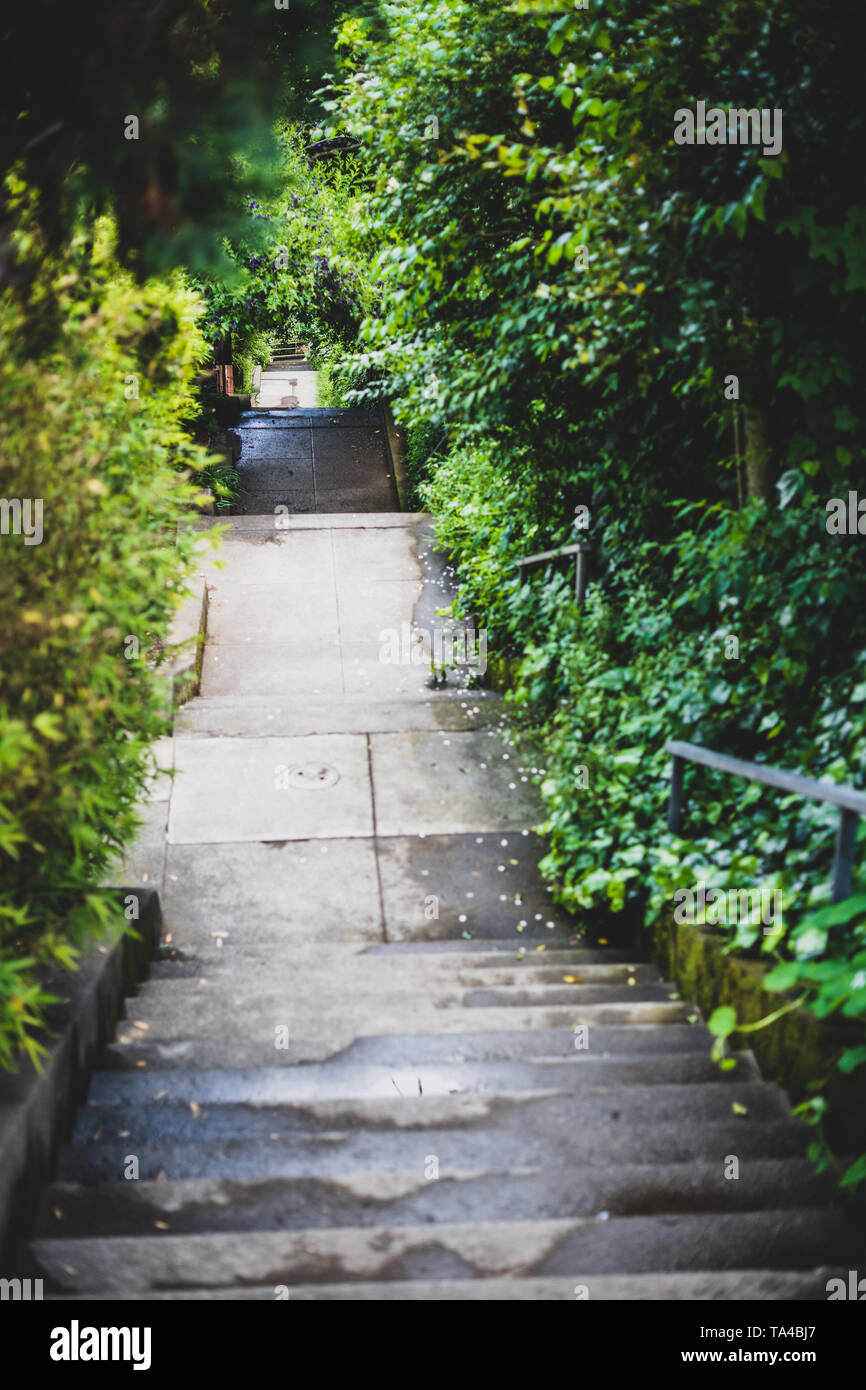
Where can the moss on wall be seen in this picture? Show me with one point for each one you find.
(795, 1051)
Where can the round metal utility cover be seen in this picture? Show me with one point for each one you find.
(312, 776)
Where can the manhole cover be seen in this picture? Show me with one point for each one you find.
(313, 775)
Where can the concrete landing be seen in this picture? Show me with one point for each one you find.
(299, 456)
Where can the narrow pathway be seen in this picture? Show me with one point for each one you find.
(304, 457)
(372, 1062)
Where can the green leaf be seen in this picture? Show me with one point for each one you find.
(722, 1021)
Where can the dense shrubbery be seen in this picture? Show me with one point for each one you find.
(566, 291)
(204, 78)
(90, 425)
(289, 275)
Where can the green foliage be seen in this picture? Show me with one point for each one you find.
(555, 132)
(222, 480)
(204, 78)
(645, 660)
(425, 447)
(291, 272)
(90, 425)
(250, 351)
(565, 290)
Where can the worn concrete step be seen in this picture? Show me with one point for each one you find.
(474, 968)
(502, 951)
(241, 984)
(304, 417)
(629, 982)
(544, 994)
(476, 1250)
(315, 1035)
(607, 1109)
(444, 695)
(234, 716)
(197, 1206)
(341, 1080)
(629, 1043)
(216, 1004)
(738, 1285)
(315, 521)
(509, 1142)
(404, 1049)
(347, 962)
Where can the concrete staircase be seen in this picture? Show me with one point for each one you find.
(460, 1147)
(372, 1062)
(287, 355)
(288, 382)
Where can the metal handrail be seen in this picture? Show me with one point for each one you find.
(581, 550)
(851, 803)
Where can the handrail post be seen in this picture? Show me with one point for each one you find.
(581, 570)
(843, 860)
(675, 805)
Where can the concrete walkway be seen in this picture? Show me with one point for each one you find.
(288, 385)
(372, 1061)
(298, 455)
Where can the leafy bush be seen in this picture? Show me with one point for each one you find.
(249, 352)
(553, 266)
(298, 270)
(90, 426)
(649, 657)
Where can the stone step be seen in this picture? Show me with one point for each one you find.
(308, 417)
(475, 966)
(314, 521)
(314, 1036)
(474, 701)
(235, 716)
(551, 1113)
(241, 985)
(196, 1206)
(478, 1250)
(630, 982)
(411, 1049)
(386, 978)
(362, 961)
(503, 950)
(338, 1079)
(771, 1286)
(503, 1144)
(206, 1015)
